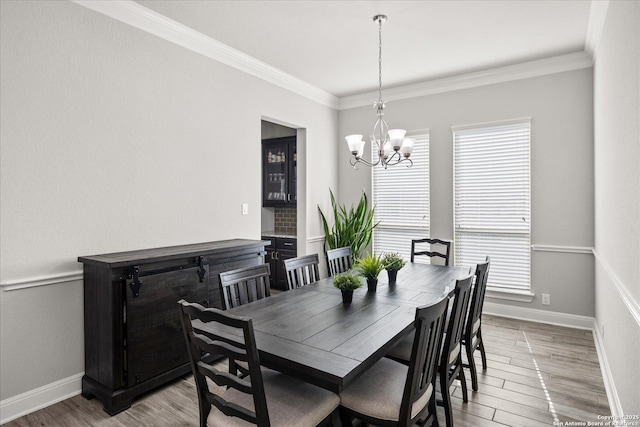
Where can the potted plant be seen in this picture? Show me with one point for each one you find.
(352, 227)
(392, 263)
(347, 283)
(370, 267)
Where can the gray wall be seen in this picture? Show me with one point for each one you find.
(617, 195)
(561, 111)
(114, 139)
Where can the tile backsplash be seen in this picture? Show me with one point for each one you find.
(285, 221)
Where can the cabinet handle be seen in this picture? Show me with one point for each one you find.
(288, 197)
(288, 244)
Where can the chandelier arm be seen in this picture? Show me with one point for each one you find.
(355, 160)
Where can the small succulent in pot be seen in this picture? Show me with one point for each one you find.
(370, 267)
(347, 283)
(392, 263)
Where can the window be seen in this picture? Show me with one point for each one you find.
(492, 200)
(401, 200)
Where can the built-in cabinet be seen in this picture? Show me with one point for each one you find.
(279, 161)
(132, 331)
(281, 249)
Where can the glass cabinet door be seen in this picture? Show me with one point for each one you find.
(278, 171)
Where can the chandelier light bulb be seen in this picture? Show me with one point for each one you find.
(407, 147)
(397, 137)
(356, 145)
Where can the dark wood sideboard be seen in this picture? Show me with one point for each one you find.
(133, 340)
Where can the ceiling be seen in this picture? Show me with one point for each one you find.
(333, 45)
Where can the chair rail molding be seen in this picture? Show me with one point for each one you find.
(50, 279)
(315, 239)
(563, 249)
(625, 295)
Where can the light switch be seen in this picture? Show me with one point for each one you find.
(245, 209)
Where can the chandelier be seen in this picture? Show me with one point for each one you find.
(392, 146)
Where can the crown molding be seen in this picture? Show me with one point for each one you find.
(138, 16)
(597, 17)
(525, 70)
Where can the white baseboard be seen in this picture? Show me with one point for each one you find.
(607, 376)
(540, 316)
(41, 397)
(571, 321)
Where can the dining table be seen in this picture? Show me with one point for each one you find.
(308, 332)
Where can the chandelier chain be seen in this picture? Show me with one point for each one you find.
(380, 61)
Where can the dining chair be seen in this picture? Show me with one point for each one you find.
(444, 254)
(472, 335)
(340, 260)
(302, 270)
(243, 285)
(450, 365)
(234, 401)
(392, 394)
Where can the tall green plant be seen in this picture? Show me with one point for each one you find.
(352, 227)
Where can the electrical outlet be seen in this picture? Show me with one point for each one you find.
(245, 209)
(546, 299)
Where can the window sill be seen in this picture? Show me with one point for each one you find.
(509, 294)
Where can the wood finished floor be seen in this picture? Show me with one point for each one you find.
(537, 374)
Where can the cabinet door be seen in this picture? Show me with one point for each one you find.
(154, 342)
(281, 272)
(278, 171)
(270, 258)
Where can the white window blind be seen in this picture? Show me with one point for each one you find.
(401, 200)
(492, 200)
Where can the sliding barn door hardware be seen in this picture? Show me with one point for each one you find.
(136, 274)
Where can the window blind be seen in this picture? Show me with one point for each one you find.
(492, 195)
(401, 200)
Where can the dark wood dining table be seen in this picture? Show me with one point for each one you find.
(310, 334)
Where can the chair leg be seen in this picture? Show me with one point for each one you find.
(446, 399)
(481, 347)
(463, 382)
(433, 415)
(472, 367)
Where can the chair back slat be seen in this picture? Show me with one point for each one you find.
(340, 260)
(225, 348)
(224, 379)
(423, 364)
(302, 270)
(202, 349)
(452, 342)
(432, 253)
(244, 285)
